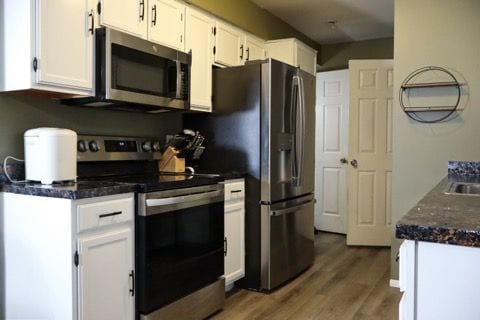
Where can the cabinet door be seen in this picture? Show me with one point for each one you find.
(306, 59)
(234, 241)
(199, 39)
(407, 280)
(165, 23)
(125, 15)
(255, 49)
(229, 46)
(105, 275)
(65, 43)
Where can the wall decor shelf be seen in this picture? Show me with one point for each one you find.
(431, 85)
(413, 82)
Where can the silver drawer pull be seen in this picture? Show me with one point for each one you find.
(116, 213)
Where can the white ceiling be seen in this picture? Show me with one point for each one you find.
(355, 19)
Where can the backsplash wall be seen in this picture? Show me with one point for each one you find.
(20, 113)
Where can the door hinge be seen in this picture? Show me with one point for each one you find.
(35, 64)
(99, 7)
(76, 258)
(214, 49)
(214, 31)
(181, 16)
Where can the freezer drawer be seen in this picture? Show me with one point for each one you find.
(288, 238)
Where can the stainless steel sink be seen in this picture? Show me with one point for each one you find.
(464, 188)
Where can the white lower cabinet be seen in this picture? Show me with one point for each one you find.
(69, 259)
(234, 231)
(105, 275)
(439, 281)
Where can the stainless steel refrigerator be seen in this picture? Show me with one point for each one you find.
(263, 126)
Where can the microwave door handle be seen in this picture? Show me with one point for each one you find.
(179, 80)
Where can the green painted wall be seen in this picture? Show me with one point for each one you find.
(250, 17)
(336, 56)
(20, 113)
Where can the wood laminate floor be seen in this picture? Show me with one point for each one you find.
(343, 283)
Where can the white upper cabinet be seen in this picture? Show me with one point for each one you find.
(65, 44)
(200, 40)
(229, 45)
(129, 16)
(166, 23)
(48, 45)
(293, 52)
(254, 48)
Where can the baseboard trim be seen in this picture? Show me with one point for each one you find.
(394, 283)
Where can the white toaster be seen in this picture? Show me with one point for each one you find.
(50, 155)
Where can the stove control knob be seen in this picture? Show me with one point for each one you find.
(93, 146)
(81, 145)
(156, 146)
(147, 146)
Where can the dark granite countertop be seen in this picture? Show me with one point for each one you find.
(444, 218)
(72, 191)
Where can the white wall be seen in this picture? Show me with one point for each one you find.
(444, 33)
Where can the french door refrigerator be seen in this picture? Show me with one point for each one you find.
(263, 126)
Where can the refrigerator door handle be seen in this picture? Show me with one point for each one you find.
(294, 127)
(301, 132)
(298, 125)
(280, 212)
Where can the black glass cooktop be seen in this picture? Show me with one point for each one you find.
(159, 182)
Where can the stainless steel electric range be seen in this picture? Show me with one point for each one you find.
(179, 227)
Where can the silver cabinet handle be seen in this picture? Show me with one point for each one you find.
(354, 163)
(142, 9)
(154, 15)
(92, 22)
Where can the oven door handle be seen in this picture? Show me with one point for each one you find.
(183, 198)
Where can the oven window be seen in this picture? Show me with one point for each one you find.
(137, 71)
(177, 253)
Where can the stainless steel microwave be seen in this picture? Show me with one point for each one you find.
(134, 74)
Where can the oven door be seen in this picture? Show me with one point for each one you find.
(130, 69)
(179, 244)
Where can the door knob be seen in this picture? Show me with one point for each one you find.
(343, 160)
(354, 163)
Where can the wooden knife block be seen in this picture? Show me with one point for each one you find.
(170, 162)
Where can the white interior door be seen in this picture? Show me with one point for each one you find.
(370, 152)
(331, 146)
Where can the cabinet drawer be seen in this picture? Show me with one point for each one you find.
(234, 190)
(98, 214)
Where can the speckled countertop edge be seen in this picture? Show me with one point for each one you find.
(73, 192)
(444, 218)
